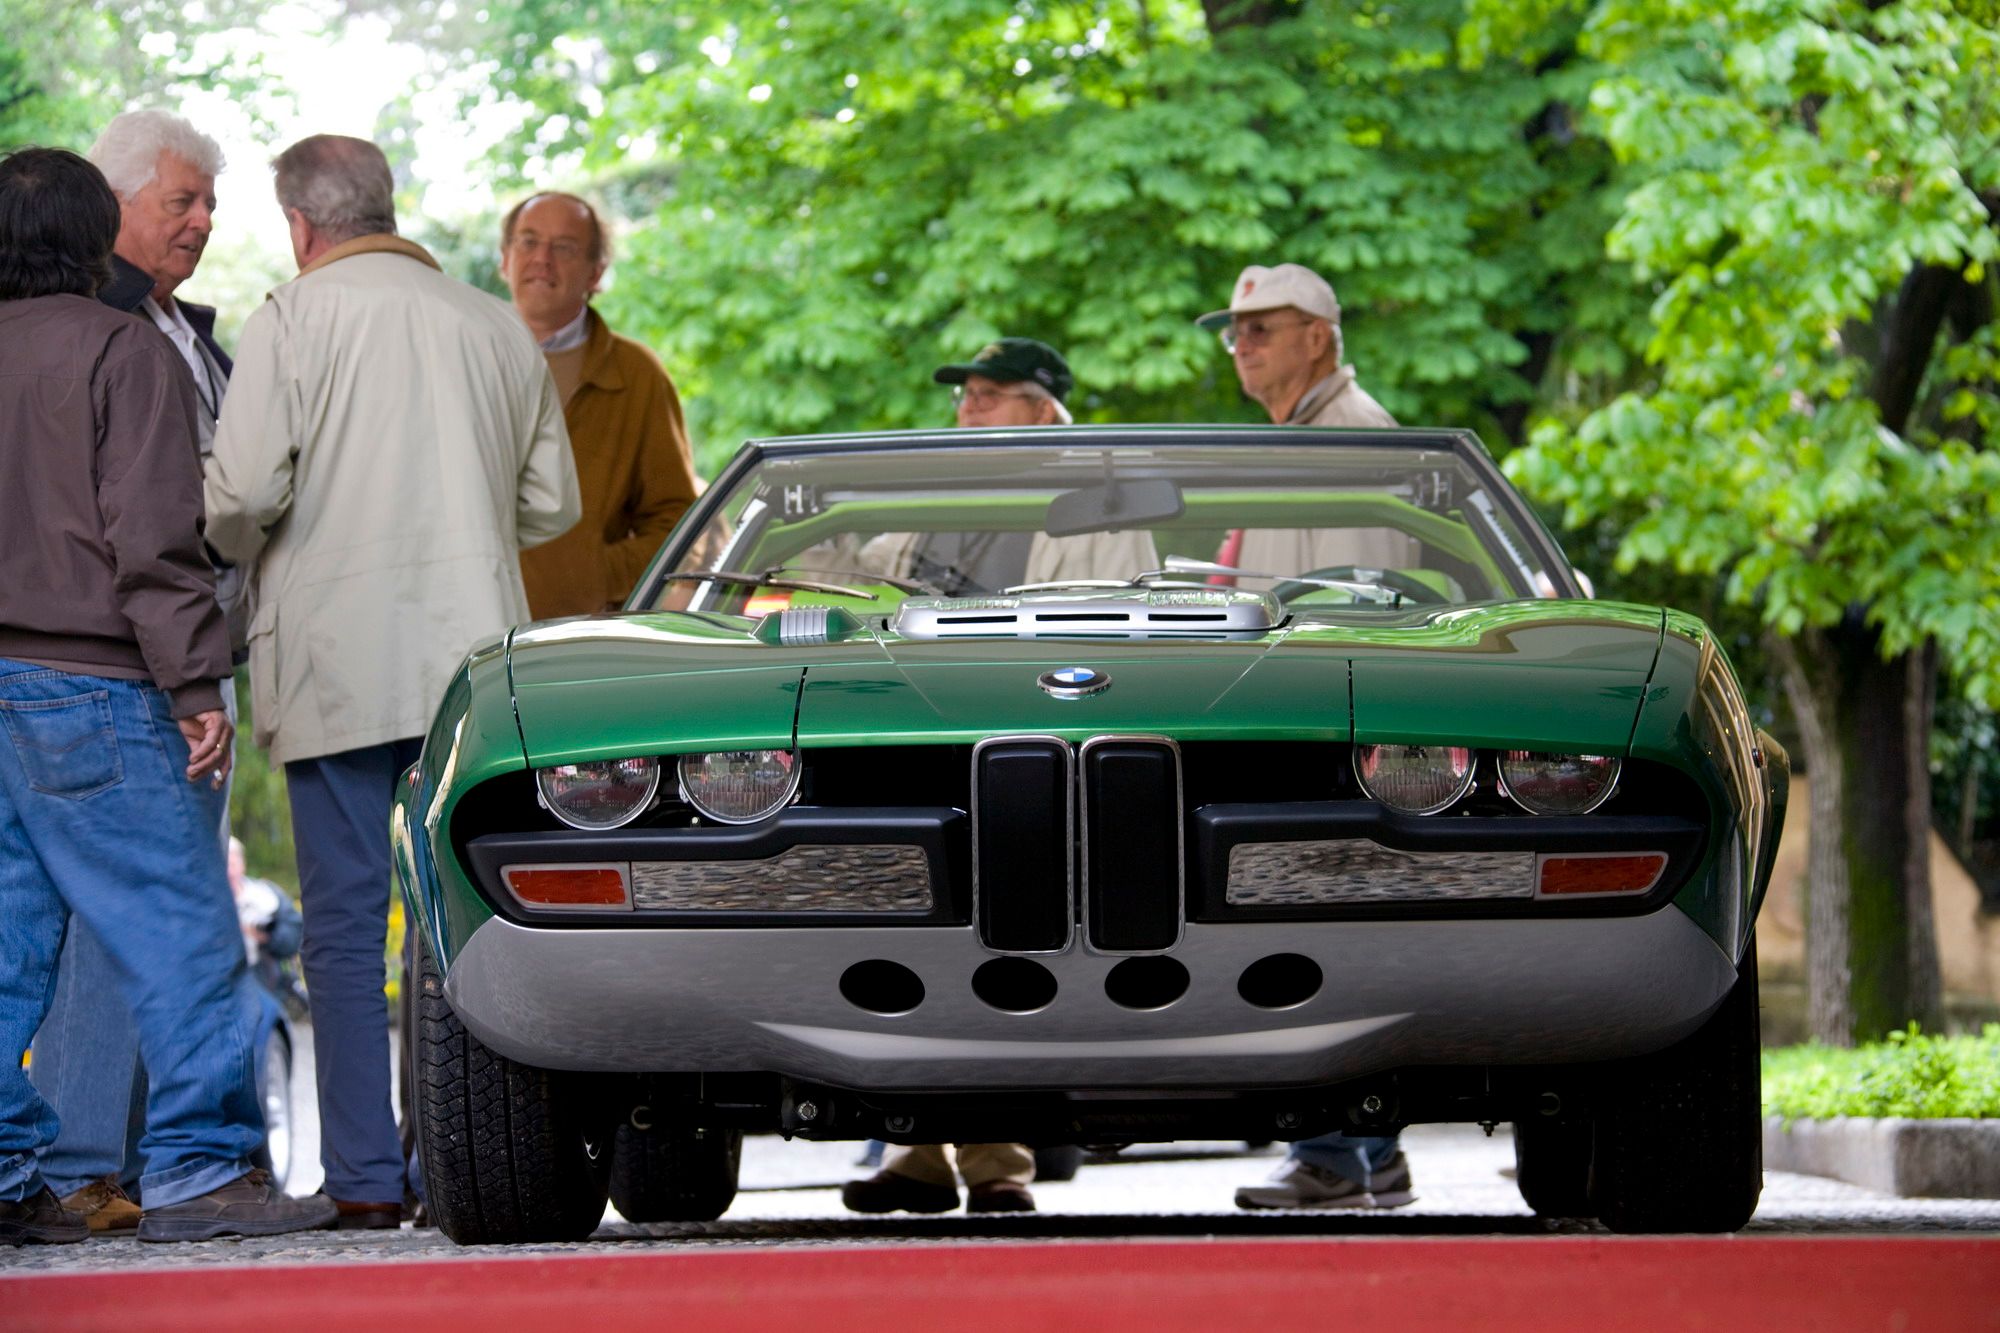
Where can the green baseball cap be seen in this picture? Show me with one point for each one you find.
(1011, 360)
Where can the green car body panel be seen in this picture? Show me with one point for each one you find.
(1592, 677)
(1552, 672)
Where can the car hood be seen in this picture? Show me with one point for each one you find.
(1544, 674)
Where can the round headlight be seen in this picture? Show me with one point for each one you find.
(1557, 784)
(1416, 779)
(599, 796)
(740, 786)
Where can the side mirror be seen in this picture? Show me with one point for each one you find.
(1114, 507)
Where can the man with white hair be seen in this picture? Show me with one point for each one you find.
(86, 1056)
(393, 440)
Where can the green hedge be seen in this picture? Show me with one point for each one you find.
(1910, 1074)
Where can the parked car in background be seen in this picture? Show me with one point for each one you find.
(1091, 785)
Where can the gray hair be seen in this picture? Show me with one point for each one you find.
(342, 186)
(1035, 390)
(128, 152)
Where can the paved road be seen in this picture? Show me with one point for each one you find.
(790, 1195)
(1150, 1241)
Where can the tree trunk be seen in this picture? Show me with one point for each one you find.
(1871, 946)
(1222, 15)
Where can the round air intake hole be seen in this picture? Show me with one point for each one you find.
(1146, 983)
(882, 987)
(1014, 985)
(1280, 981)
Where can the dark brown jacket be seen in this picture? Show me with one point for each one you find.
(101, 563)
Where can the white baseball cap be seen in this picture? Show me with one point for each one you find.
(1259, 288)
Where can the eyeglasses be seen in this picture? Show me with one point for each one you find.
(562, 250)
(1255, 332)
(982, 398)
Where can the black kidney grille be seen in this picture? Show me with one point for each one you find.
(1132, 885)
(1021, 838)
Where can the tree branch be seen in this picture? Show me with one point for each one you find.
(1905, 334)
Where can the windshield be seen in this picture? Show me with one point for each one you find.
(1360, 526)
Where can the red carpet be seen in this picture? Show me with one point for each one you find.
(1536, 1285)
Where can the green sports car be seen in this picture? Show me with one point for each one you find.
(1082, 786)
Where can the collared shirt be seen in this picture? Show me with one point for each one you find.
(571, 335)
(209, 382)
(1315, 401)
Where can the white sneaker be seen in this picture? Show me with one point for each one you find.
(1298, 1184)
(1389, 1184)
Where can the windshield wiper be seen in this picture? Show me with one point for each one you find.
(894, 581)
(1180, 564)
(746, 580)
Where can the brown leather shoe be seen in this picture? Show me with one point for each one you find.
(999, 1196)
(105, 1205)
(892, 1192)
(40, 1219)
(353, 1216)
(250, 1205)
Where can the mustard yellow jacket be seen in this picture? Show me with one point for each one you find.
(634, 473)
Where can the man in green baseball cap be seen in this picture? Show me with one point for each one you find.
(1012, 382)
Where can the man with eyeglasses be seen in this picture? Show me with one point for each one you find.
(634, 470)
(1282, 329)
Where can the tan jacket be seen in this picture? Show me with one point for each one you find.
(634, 474)
(391, 439)
(1335, 400)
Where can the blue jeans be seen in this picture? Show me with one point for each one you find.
(87, 1064)
(340, 823)
(98, 820)
(1349, 1156)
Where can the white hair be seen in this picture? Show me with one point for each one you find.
(1037, 391)
(128, 152)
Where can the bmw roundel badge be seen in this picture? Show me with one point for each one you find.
(1074, 682)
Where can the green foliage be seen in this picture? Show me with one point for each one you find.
(832, 199)
(1797, 161)
(260, 813)
(66, 68)
(1911, 1074)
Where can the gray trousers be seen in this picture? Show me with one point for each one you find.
(340, 823)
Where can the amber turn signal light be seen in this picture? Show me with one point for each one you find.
(1600, 872)
(568, 886)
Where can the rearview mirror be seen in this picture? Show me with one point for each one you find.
(1113, 507)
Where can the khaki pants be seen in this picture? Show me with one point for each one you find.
(979, 1163)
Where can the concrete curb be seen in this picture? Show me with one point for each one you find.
(1913, 1159)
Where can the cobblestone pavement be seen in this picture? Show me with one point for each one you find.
(790, 1196)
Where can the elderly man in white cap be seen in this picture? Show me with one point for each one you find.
(1282, 328)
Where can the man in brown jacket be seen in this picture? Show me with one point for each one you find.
(633, 466)
(113, 740)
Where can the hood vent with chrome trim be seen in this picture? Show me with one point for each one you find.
(1121, 612)
(804, 625)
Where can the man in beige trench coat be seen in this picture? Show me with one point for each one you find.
(391, 441)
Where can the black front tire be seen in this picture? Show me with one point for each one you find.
(1680, 1144)
(1552, 1165)
(1058, 1162)
(511, 1153)
(674, 1173)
